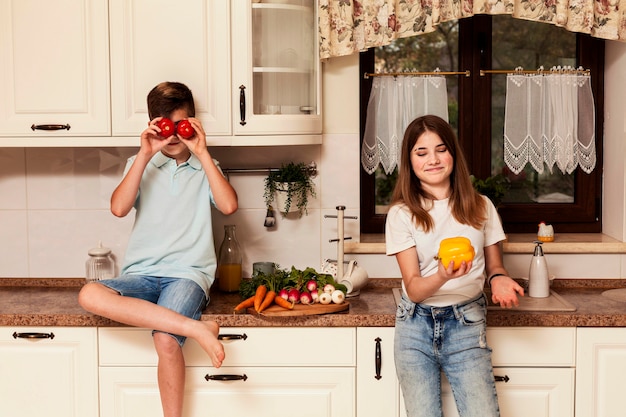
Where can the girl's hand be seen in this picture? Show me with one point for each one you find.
(448, 273)
(504, 291)
(196, 143)
(151, 142)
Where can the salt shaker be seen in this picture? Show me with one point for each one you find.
(100, 264)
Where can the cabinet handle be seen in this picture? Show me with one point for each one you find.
(242, 105)
(504, 378)
(33, 335)
(378, 358)
(226, 377)
(50, 127)
(232, 337)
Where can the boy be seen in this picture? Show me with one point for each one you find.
(170, 260)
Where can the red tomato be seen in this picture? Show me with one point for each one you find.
(166, 126)
(185, 129)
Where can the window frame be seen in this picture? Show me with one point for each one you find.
(582, 216)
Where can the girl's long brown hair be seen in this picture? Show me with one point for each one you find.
(467, 205)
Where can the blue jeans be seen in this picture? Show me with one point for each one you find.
(178, 294)
(429, 340)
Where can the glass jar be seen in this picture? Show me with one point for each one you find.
(100, 264)
(229, 261)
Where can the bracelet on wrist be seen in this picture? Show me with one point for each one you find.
(493, 276)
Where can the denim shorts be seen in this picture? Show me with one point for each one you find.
(451, 340)
(178, 294)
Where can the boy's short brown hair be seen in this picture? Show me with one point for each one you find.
(169, 96)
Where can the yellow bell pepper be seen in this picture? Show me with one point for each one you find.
(457, 249)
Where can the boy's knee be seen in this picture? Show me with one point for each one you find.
(85, 296)
(165, 344)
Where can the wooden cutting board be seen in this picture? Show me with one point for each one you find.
(302, 310)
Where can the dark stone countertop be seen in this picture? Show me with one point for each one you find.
(53, 302)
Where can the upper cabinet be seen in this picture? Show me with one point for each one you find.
(252, 66)
(54, 69)
(276, 70)
(164, 40)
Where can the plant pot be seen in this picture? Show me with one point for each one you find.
(282, 190)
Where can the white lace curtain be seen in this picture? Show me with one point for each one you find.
(394, 102)
(549, 119)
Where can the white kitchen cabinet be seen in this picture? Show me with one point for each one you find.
(378, 391)
(600, 372)
(253, 68)
(276, 70)
(162, 40)
(534, 369)
(54, 61)
(49, 371)
(266, 372)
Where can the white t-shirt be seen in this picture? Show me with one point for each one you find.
(401, 233)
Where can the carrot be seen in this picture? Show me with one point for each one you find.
(245, 304)
(283, 303)
(269, 299)
(259, 296)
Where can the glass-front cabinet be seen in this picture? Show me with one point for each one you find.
(276, 69)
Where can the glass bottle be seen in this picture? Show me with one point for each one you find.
(229, 261)
(100, 264)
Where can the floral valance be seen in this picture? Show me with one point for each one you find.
(349, 26)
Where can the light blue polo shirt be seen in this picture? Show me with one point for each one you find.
(172, 235)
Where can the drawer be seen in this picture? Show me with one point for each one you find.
(265, 392)
(533, 346)
(244, 346)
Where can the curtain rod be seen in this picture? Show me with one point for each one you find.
(539, 71)
(396, 74)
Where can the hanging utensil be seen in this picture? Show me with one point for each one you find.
(270, 220)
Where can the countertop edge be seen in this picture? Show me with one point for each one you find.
(37, 306)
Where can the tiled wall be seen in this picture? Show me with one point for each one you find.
(54, 206)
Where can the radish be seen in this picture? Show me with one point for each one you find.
(325, 298)
(311, 285)
(283, 294)
(305, 297)
(329, 288)
(293, 295)
(337, 296)
(315, 295)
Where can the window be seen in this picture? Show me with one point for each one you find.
(476, 111)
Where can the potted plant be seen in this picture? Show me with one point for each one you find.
(290, 185)
(494, 187)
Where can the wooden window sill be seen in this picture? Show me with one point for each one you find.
(515, 243)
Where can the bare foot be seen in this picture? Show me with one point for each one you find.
(211, 345)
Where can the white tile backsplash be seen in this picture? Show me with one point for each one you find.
(55, 206)
(12, 179)
(13, 243)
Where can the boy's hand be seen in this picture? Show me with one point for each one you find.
(151, 142)
(196, 143)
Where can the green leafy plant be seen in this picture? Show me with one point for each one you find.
(494, 187)
(294, 179)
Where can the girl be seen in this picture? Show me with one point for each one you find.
(441, 321)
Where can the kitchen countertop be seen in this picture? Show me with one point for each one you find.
(53, 302)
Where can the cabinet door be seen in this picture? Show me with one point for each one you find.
(536, 392)
(54, 61)
(378, 391)
(243, 392)
(276, 68)
(601, 372)
(162, 40)
(48, 372)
